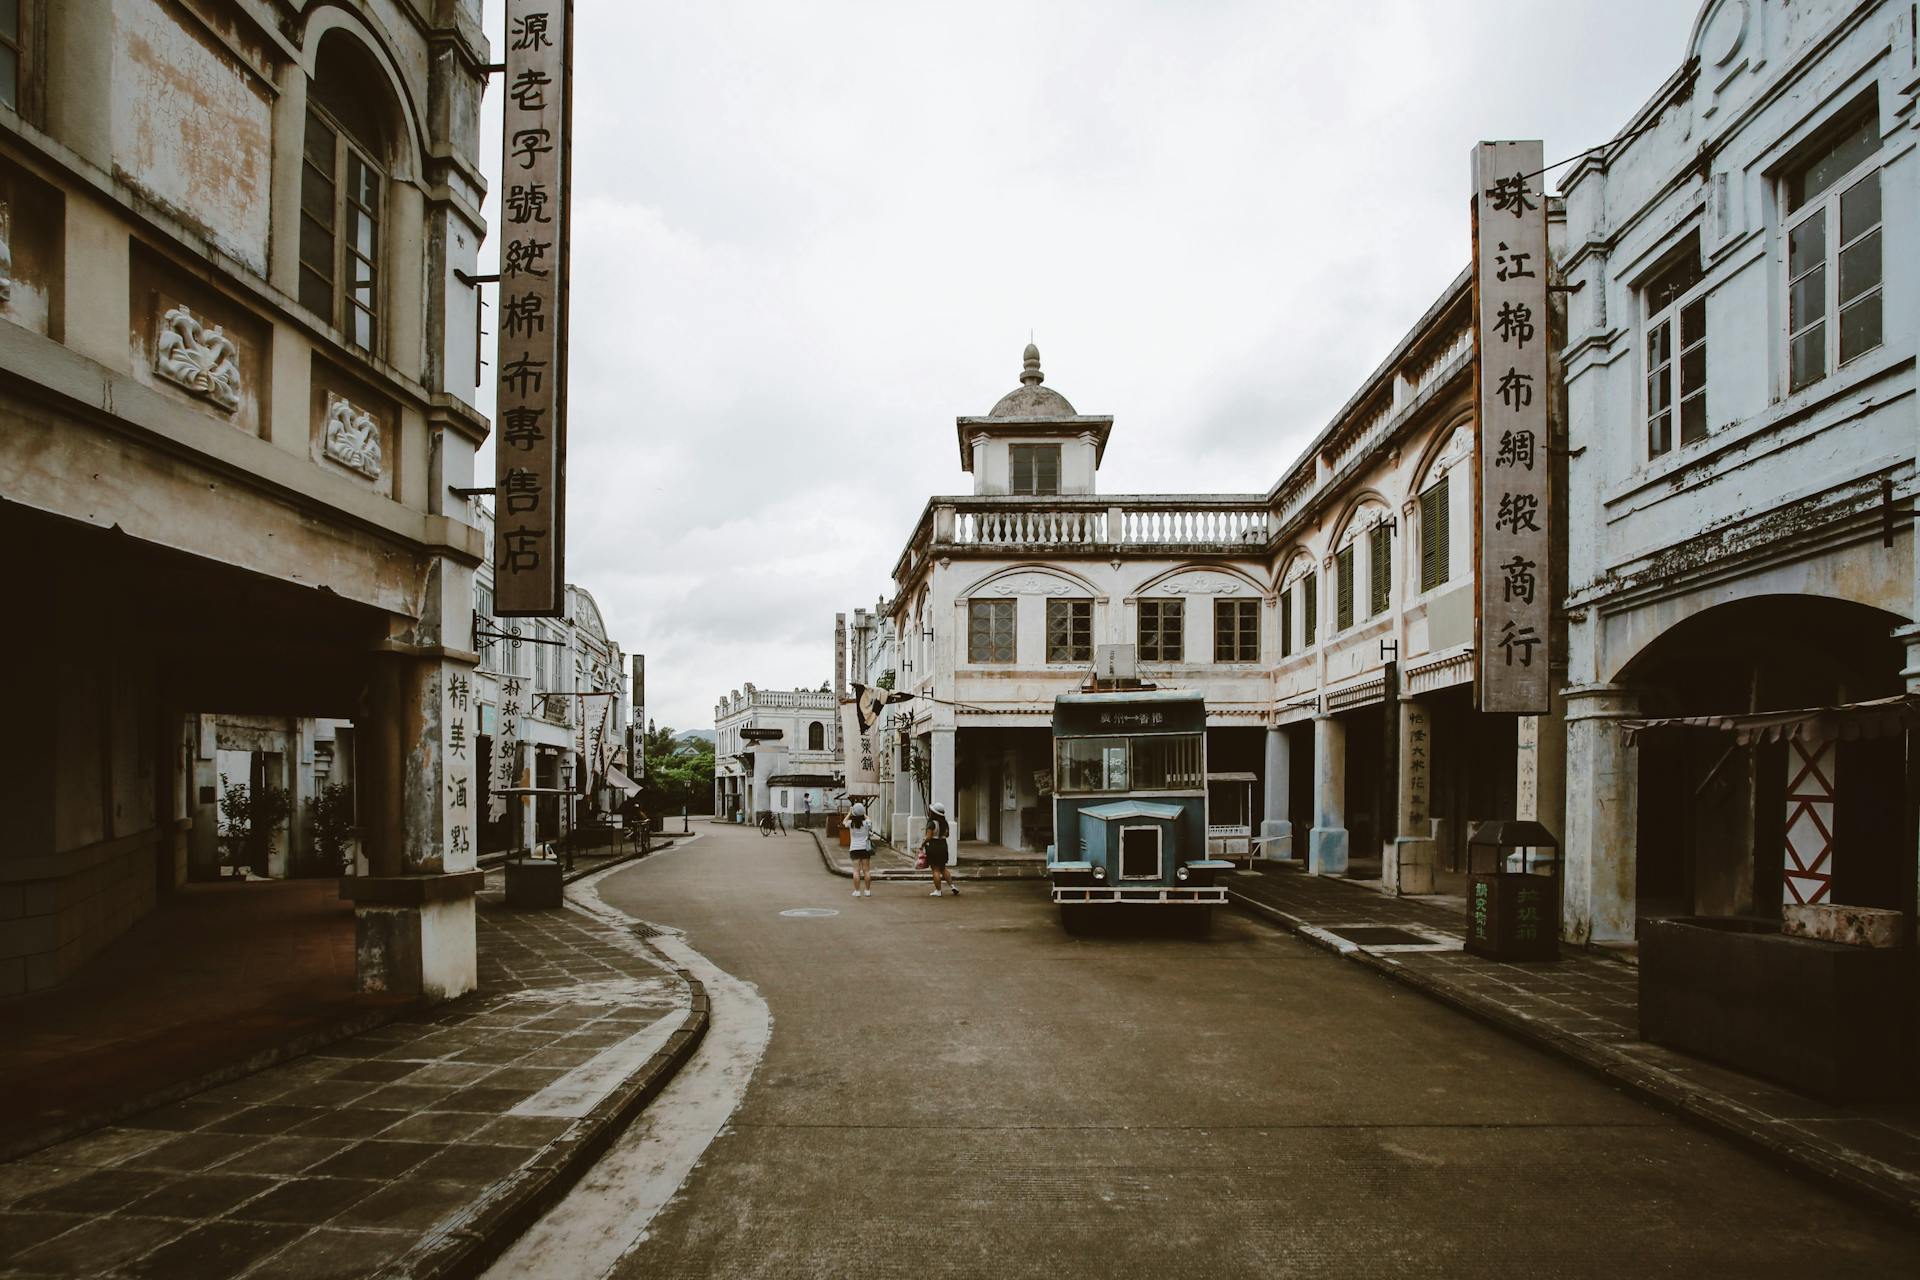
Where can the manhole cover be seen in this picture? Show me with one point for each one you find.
(809, 913)
(1381, 936)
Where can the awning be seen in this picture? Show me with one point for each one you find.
(803, 780)
(1233, 777)
(1876, 718)
(625, 785)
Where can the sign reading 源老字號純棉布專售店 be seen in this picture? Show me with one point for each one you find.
(530, 412)
(1511, 400)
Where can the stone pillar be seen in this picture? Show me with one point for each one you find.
(1277, 797)
(1603, 811)
(943, 790)
(1412, 858)
(1327, 842)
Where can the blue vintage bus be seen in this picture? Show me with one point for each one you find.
(1130, 806)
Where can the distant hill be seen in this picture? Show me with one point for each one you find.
(689, 735)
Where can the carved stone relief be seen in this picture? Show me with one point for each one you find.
(202, 360)
(1195, 584)
(352, 437)
(1023, 584)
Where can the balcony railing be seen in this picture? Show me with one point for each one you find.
(1198, 523)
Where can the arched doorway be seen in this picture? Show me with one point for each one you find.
(1714, 813)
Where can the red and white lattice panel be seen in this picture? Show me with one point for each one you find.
(1809, 854)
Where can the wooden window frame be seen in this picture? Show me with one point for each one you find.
(342, 303)
(983, 645)
(1076, 616)
(1239, 639)
(1826, 208)
(1343, 588)
(1169, 643)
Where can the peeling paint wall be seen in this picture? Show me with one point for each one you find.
(192, 128)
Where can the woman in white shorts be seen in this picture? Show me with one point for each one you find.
(860, 849)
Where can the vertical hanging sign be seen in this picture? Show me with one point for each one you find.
(530, 441)
(1510, 409)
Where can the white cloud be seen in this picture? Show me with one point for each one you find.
(808, 236)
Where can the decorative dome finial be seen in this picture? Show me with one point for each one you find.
(1030, 374)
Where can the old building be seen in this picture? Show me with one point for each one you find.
(236, 383)
(1740, 373)
(774, 753)
(1002, 598)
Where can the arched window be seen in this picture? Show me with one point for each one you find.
(346, 156)
(816, 736)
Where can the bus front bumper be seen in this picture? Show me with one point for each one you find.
(1150, 895)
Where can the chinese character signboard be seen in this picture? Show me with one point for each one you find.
(530, 413)
(1510, 400)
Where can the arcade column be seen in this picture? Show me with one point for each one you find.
(1603, 815)
(1277, 797)
(942, 786)
(1327, 842)
(413, 912)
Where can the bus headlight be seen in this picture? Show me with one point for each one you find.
(1182, 873)
(1099, 873)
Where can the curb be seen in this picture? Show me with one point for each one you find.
(511, 1207)
(1884, 1191)
(304, 1043)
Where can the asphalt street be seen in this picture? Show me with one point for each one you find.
(959, 1088)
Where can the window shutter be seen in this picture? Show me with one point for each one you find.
(1343, 588)
(1435, 535)
(1310, 603)
(1380, 570)
(1286, 624)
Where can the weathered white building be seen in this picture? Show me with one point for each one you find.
(1739, 366)
(236, 383)
(773, 753)
(1002, 597)
(553, 709)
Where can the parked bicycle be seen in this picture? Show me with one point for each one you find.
(770, 822)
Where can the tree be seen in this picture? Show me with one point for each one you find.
(679, 774)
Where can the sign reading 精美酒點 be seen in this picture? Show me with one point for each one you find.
(530, 413)
(1511, 399)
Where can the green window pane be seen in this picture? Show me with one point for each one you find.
(1806, 246)
(1859, 268)
(1860, 327)
(1807, 357)
(1859, 207)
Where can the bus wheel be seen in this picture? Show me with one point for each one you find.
(1073, 919)
(1200, 921)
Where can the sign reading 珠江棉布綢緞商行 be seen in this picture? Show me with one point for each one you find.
(530, 412)
(1511, 398)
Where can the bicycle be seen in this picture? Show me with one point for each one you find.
(769, 821)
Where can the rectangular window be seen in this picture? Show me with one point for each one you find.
(1036, 468)
(10, 61)
(340, 202)
(1069, 631)
(1343, 588)
(1161, 627)
(1286, 623)
(990, 630)
(1309, 609)
(1676, 352)
(1236, 631)
(1834, 252)
(1379, 570)
(1436, 535)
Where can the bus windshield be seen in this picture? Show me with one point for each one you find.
(1165, 762)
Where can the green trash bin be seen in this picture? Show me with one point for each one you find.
(1513, 914)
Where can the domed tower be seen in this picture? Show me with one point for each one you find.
(1033, 441)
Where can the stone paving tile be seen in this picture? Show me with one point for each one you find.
(1593, 999)
(337, 1163)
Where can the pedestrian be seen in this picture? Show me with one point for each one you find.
(935, 847)
(860, 849)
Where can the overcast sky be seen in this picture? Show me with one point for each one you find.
(808, 236)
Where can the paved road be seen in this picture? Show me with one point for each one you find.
(957, 1088)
